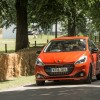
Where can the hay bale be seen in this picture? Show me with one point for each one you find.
(17, 64)
(3, 67)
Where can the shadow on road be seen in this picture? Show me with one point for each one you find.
(52, 83)
(60, 90)
(58, 83)
(63, 93)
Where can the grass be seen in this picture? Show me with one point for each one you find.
(11, 42)
(10, 45)
(16, 82)
(40, 38)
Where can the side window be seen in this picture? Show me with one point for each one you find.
(91, 45)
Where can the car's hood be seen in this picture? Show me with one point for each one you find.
(61, 57)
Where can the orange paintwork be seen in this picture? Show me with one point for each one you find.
(51, 58)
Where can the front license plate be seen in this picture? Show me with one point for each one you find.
(59, 69)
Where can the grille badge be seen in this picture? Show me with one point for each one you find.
(59, 61)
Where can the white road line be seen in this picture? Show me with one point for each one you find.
(49, 87)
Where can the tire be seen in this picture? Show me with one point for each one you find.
(98, 77)
(56, 81)
(89, 77)
(40, 83)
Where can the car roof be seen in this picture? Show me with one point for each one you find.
(70, 37)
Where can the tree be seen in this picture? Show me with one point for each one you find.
(94, 12)
(47, 12)
(7, 12)
(75, 10)
(17, 16)
(71, 15)
(22, 25)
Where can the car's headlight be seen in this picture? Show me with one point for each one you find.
(39, 62)
(82, 59)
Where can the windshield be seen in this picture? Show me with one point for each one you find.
(66, 45)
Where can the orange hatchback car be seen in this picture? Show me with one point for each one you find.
(68, 58)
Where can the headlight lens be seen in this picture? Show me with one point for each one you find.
(39, 62)
(82, 59)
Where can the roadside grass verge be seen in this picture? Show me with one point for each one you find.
(16, 82)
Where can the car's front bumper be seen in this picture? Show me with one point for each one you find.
(79, 72)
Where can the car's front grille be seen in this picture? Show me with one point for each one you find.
(48, 69)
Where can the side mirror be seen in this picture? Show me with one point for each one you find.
(38, 52)
(94, 50)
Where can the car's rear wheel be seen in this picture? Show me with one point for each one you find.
(40, 83)
(98, 76)
(89, 77)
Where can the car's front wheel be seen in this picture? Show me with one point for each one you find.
(40, 83)
(89, 77)
(56, 81)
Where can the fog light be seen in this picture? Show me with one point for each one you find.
(39, 76)
(80, 74)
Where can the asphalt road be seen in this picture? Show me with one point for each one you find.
(54, 91)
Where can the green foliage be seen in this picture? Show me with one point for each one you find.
(46, 12)
(7, 12)
(95, 14)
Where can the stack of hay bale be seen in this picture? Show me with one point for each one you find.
(17, 64)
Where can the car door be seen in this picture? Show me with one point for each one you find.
(95, 56)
